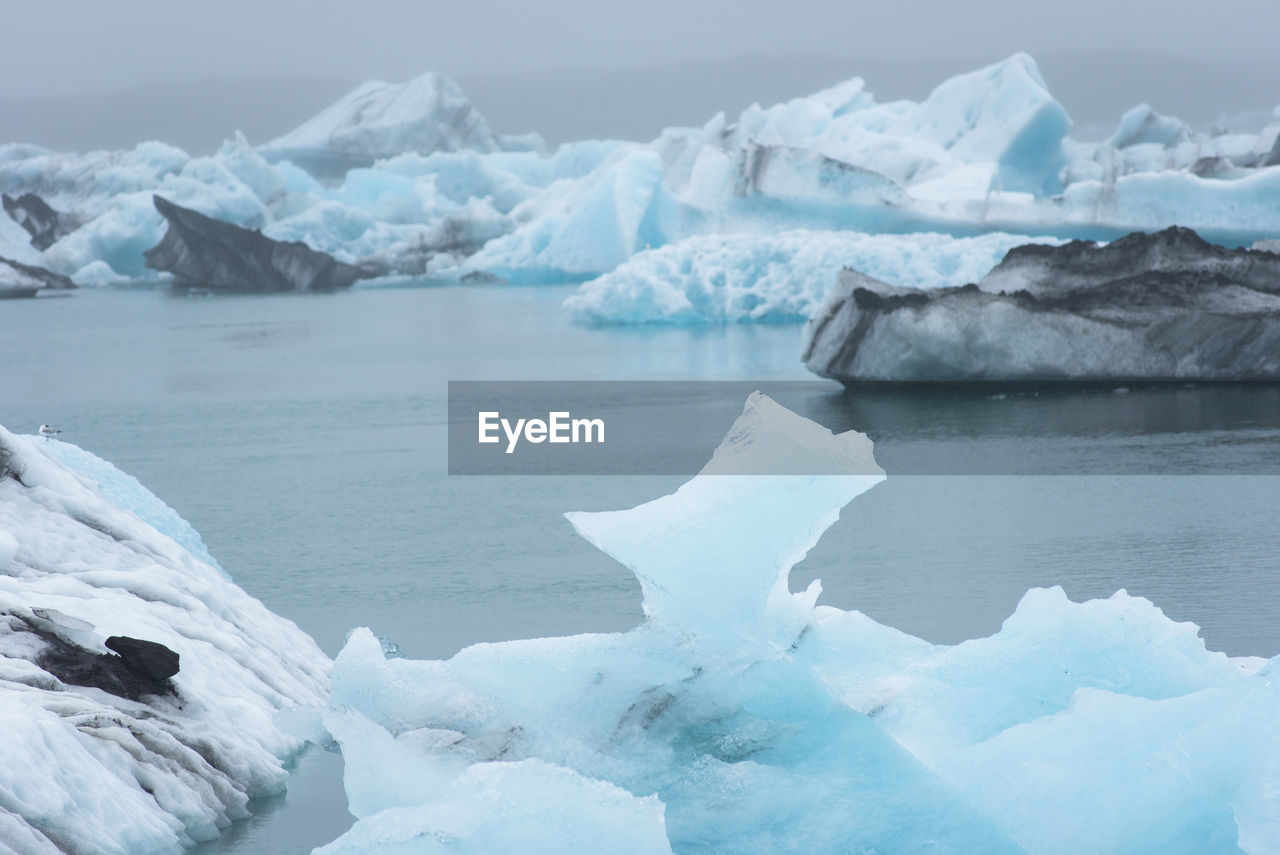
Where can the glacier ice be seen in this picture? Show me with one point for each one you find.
(378, 120)
(1161, 307)
(25, 280)
(200, 252)
(411, 177)
(741, 717)
(86, 553)
(776, 277)
(42, 222)
(986, 151)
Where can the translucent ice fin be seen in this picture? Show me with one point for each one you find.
(713, 557)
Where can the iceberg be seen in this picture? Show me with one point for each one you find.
(36, 217)
(138, 684)
(986, 152)
(699, 724)
(204, 253)
(411, 177)
(1161, 307)
(26, 280)
(378, 120)
(412, 211)
(742, 717)
(779, 277)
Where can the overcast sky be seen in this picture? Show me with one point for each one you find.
(82, 46)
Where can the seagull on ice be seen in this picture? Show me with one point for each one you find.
(49, 432)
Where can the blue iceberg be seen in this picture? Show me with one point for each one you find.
(742, 717)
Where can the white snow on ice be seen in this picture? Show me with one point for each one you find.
(85, 553)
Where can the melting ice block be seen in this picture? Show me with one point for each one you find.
(703, 714)
(739, 718)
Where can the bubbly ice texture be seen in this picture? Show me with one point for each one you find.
(776, 277)
(86, 553)
(412, 177)
(743, 718)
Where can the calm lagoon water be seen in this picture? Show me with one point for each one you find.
(304, 437)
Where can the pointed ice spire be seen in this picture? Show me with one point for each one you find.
(713, 557)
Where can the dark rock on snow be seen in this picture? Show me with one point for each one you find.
(149, 658)
(137, 668)
(206, 253)
(1158, 307)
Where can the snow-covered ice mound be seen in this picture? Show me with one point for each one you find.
(743, 718)
(378, 120)
(104, 753)
(1167, 306)
(776, 277)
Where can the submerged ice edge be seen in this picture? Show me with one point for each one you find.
(743, 718)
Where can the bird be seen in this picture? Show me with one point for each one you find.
(49, 432)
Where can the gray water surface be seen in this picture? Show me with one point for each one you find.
(304, 438)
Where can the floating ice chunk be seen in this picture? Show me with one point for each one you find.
(414, 176)
(588, 227)
(98, 274)
(203, 252)
(1168, 306)
(1189, 774)
(1100, 726)
(98, 754)
(704, 710)
(116, 238)
(530, 807)
(1003, 113)
(761, 724)
(776, 277)
(375, 120)
(1050, 648)
(1143, 125)
(252, 170)
(85, 184)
